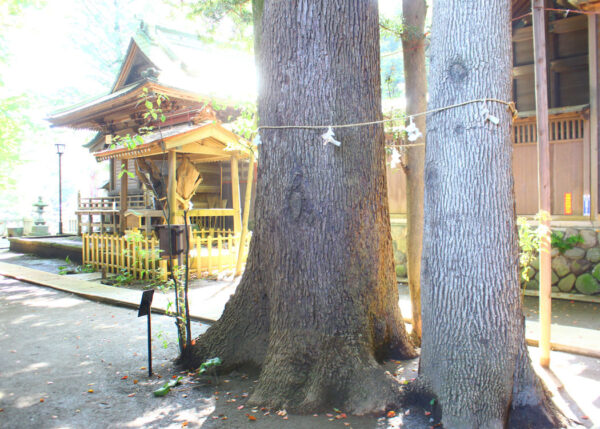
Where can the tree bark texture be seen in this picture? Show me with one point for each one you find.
(415, 82)
(474, 358)
(317, 306)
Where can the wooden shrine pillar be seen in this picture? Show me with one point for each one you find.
(544, 191)
(594, 134)
(247, 201)
(172, 189)
(123, 200)
(235, 195)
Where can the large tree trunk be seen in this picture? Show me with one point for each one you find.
(317, 306)
(474, 358)
(415, 83)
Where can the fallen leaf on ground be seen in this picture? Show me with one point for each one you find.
(407, 412)
(585, 417)
(341, 416)
(135, 382)
(124, 377)
(285, 417)
(41, 399)
(131, 395)
(250, 417)
(184, 424)
(329, 415)
(241, 407)
(143, 367)
(1, 409)
(391, 414)
(90, 390)
(427, 413)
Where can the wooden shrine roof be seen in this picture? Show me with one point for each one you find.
(206, 142)
(170, 62)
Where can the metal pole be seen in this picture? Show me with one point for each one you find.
(60, 224)
(149, 345)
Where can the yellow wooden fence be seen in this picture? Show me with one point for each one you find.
(216, 251)
(114, 254)
(211, 251)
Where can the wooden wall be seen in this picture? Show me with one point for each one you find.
(568, 61)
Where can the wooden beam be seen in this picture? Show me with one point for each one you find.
(577, 62)
(123, 198)
(594, 113)
(172, 189)
(560, 26)
(544, 191)
(235, 196)
(247, 201)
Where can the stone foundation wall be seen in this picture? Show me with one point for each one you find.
(577, 270)
(399, 242)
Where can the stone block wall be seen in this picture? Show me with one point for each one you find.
(577, 270)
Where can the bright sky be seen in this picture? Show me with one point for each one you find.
(46, 61)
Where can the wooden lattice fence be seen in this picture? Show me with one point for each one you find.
(211, 251)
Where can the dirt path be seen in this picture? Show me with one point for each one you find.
(55, 348)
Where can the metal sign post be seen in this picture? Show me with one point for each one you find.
(144, 310)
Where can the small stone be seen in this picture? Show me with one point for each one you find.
(553, 281)
(575, 253)
(589, 238)
(535, 263)
(532, 285)
(587, 284)
(596, 272)
(554, 252)
(530, 273)
(566, 284)
(570, 232)
(560, 266)
(554, 289)
(593, 255)
(580, 266)
(401, 271)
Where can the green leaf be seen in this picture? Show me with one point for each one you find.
(154, 115)
(163, 118)
(148, 104)
(210, 363)
(432, 401)
(162, 391)
(158, 101)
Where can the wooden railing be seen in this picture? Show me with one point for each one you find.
(142, 201)
(210, 252)
(563, 128)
